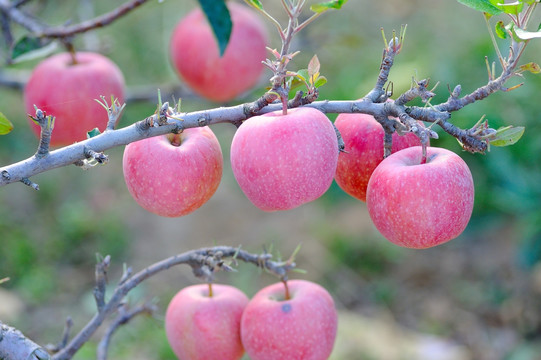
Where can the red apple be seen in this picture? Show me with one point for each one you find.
(421, 205)
(173, 175)
(301, 328)
(195, 55)
(203, 327)
(68, 91)
(363, 138)
(283, 161)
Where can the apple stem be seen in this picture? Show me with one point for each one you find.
(71, 50)
(210, 289)
(424, 156)
(287, 295)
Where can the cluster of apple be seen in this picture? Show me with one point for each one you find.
(413, 204)
(280, 161)
(220, 322)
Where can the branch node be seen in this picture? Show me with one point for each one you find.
(30, 183)
(6, 175)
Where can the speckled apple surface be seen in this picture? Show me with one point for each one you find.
(173, 175)
(302, 328)
(200, 327)
(421, 205)
(69, 91)
(283, 161)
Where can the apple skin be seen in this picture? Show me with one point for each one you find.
(170, 180)
(195, 55)
(283, 161)
(418, 205)
(302, 328)
(69, 91)
(200, 327)
(363, 139)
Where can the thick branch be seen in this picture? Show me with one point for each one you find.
(15, 346)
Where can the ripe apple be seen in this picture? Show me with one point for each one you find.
(195, 55)
(363, 138)
(420, 205)
(203, 327)
(68, 91)
(301, 328)
(283, 161)
(173, 175)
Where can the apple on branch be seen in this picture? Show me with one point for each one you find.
(283, 161)
(420, 205)
(202, 322)
(195, 54)
(297, 321)
(68, 90)
(363, 139)
(173, 175)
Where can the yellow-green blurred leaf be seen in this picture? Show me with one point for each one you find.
(5, 125)
(507, 136)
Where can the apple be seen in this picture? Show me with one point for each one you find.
(195, 55)
(283, 161)
(173, 175)
(68, 91)
(420, 205)
(302, 327)
(363, 139)
(203, 327)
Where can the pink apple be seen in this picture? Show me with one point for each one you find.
(195, 55)
(283, 161)
(203, 327)
(68, 91)
(421, 205)
(301, 328)
(173, 175)
(363, 138)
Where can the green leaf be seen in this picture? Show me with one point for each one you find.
(322, 80)
(220, 21)
(92, 133)
(527, 35)
(482, 5)
(513, 8)
(324, 6)
(303, 75)
(507, 136)
(255, 3)
(500, 30)
(531, 67)
(29, 48)
(5, 125)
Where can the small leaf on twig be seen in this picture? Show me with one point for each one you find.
(5, 125)
(482, 5)
(527, 35)
(531, 67)
(501, 31)
(506, 136)
(220, 21)
(313, 66)
(511, 8)
(327, 5)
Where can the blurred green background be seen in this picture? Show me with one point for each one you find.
(476, 297)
